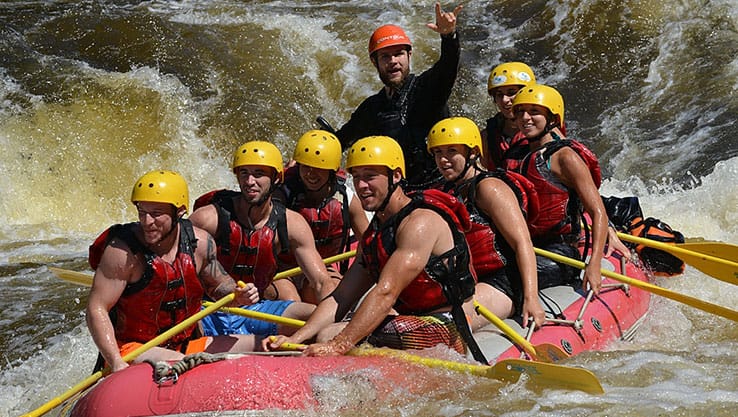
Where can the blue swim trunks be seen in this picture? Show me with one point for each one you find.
(220, 323)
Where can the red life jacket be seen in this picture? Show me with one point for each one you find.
(445, 276)
(504, 152)
(559, 207)
(165, 295)
(329, 220)
(249, 255)
(490, 252)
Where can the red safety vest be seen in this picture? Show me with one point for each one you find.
(559, 207)
(503, 152)
(249, 255)
(329, 220)
(490, 252)
(165, 295)
(425, 293)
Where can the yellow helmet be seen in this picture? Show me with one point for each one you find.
(318, 149)
(161, 187)
(259, 153)
(376, 150)
(510, 73)
(541, 95)
(455, 131)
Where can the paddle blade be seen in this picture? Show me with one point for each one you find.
(719, 268)
(547, 375)
(75, 277)
(722, 250)
(548, 352)
(540, 374)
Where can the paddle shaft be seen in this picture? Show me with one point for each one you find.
(685, 299)
(271, 318)
(180, 327)
(509, 332)
(82, 278)
(547, 353)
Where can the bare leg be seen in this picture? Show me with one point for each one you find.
(234, 343)
(282, 289)
(157, 354)
(329, 332)
(491, 298)
(297, 310)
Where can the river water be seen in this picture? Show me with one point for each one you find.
(93, 94)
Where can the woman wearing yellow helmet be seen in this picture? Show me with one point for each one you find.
(316, 188)
(498, 203)
(503, 144)
(567, 177)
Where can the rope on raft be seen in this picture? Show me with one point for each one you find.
(164, 372)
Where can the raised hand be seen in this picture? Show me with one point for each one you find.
(445, 21)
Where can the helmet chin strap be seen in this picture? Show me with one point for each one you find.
(175, 221)
(267, 194)
(390, 190)
(549, 127)
(471, 161)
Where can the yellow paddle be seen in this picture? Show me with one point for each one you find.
(541, 374)
(133, 355)
(82, 278)
(719, 268)
(258, 315)
(727, 251)
(546, 352)
(86, 279)
(685, 299)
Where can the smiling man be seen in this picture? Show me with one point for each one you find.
(412, 272)
(252, 230)
(408, 105)
(152, 274)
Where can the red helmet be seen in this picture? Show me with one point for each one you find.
(388, 35)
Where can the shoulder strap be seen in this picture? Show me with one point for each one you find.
(188, 240)
(457, 287)
(585, 153)
(280, 213)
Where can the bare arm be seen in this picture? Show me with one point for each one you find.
(498, 201)
(206, 218)
(421, 234)
(215, 279)
(359, 221)
(573, 172)
(302, 243)
(355, 283)
(117, 267)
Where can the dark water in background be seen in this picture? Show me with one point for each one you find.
(93, 94)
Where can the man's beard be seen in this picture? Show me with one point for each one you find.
(394, 84)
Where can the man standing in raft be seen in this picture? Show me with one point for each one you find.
(152, 274)
(414, 251)
(408, 105)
